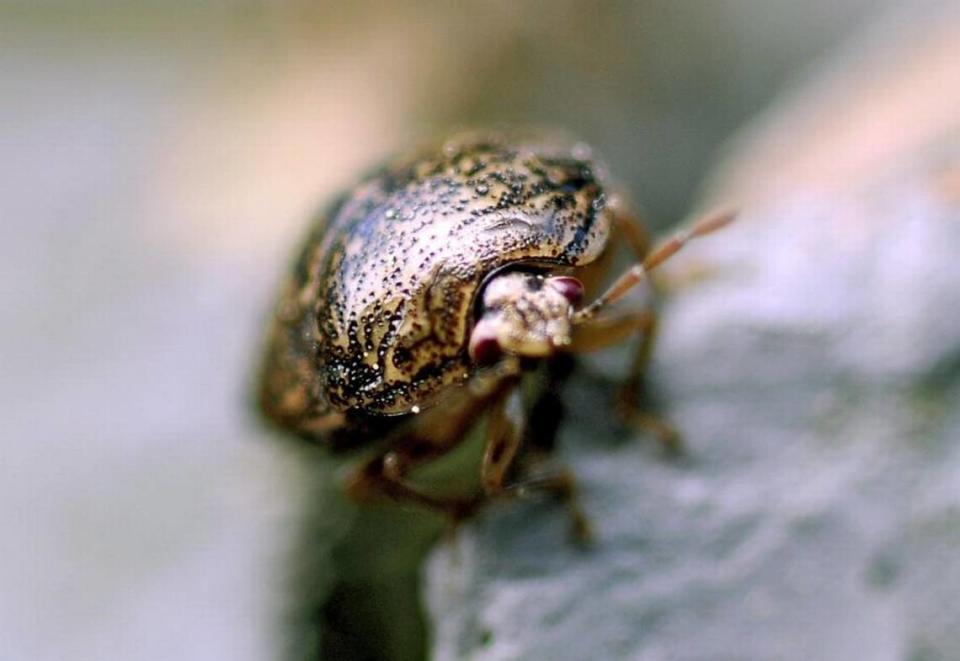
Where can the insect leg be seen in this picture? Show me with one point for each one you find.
(505, 433)
(429, 436)
(630, 228)
(386, 474)
(602, 331)
(611, 329)
(562, 484)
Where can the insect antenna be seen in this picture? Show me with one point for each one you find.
(661, 253)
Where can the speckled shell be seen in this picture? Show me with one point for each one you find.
(377, 315)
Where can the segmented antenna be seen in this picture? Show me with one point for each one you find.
(661, 253)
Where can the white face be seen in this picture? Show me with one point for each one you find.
(524, 314)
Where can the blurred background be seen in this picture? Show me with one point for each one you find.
(158, 161)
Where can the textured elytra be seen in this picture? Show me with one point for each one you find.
(376, 316)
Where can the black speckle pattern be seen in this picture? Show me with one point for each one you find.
(376, 316)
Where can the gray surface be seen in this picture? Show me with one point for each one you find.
(814, 377)
(814, 372)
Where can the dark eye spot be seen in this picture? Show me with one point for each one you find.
(569, 287)
(486, 351)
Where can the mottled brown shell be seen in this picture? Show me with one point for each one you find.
(376, 317)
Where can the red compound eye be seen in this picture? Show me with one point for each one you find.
(485, 351)
(568, 286)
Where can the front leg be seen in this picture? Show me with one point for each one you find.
(608, 330)
(600, 324)
(386, 474)
(505, 431)
(427, 437)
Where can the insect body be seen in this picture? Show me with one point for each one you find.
(420, 293)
